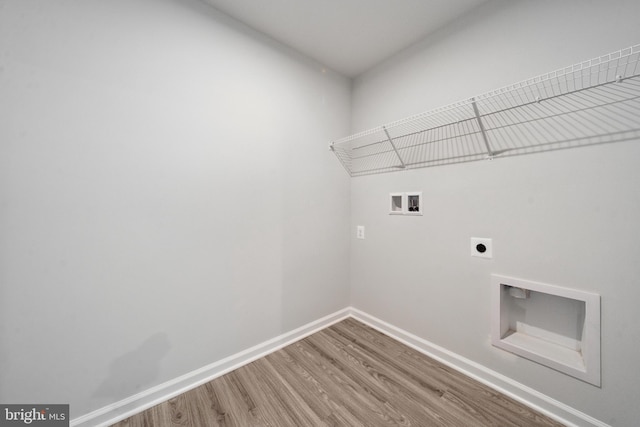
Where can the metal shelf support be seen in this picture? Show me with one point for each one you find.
(386, 132)
(483, 132)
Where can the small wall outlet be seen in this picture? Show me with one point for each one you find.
(360, 232)
(481, 247)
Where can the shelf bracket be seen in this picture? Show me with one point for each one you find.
(402, 165)
(490, 153)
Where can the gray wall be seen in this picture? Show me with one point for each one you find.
(568, 218)
(167, 197)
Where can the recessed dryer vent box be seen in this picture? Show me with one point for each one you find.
(554, 326)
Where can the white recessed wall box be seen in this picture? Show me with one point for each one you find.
(554, 326)
(414, 203)
(396, 204)
(407, 203)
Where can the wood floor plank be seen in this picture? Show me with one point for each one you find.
(453, 386)
(236, 401)
(416, 397)
(274, 399)
(345, 375)
(456, 389)
(394, 397)
(360, 401)
(313, 392)
(322, 387)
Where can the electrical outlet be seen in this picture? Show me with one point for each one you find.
(360, 232)
(481, 247)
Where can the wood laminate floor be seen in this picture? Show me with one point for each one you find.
(345, 375)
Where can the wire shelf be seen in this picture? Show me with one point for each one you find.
(593, 102)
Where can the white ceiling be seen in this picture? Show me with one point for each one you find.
(348, 36)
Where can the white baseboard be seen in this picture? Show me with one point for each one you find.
(122, 409)
(523, 394)
(146, 399)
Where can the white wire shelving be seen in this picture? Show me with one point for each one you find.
(593, 102)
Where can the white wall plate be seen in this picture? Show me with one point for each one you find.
(481, 247)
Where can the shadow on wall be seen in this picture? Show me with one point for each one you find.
(135, 370)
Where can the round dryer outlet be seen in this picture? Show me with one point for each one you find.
(481, 247)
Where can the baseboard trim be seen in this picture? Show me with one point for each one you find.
(517, 391)
(125, 408)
